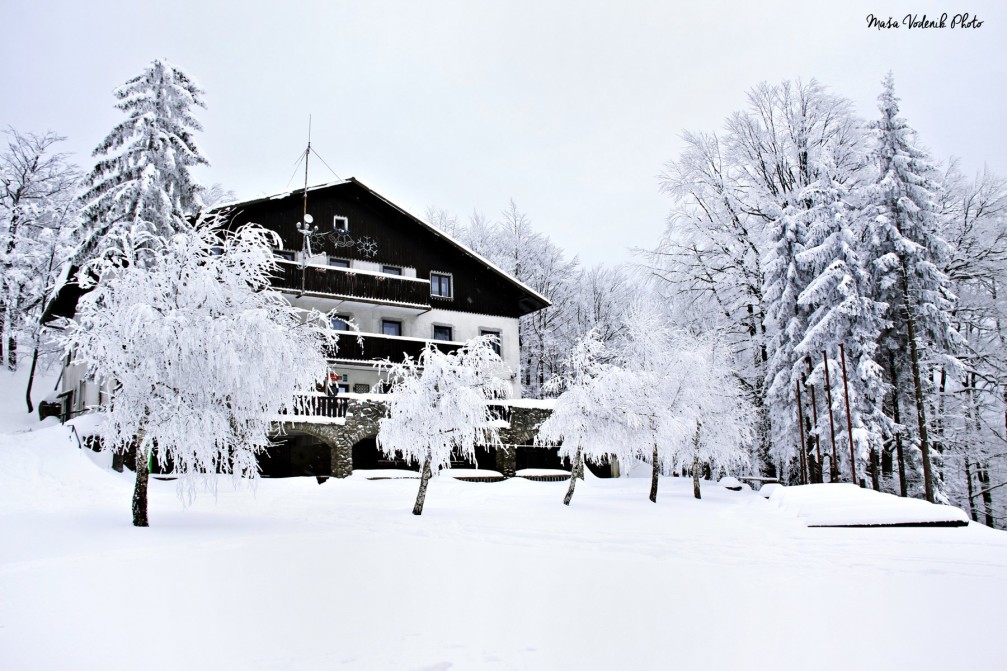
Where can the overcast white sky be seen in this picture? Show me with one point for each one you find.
(569, 108)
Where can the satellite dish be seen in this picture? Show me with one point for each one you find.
(308, 218)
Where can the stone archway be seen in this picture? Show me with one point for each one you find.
(360, 422)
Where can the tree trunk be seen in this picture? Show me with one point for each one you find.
(578, 462)
(939, 442)
(655, 471)
(140, 490)
(422, 494)
(9, 352)
(31, 380)
(695, 477)
(987, 496)
(900, 456)
(875, 468)
(971, 491)
(921, 411)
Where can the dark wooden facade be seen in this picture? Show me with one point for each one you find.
(372, 347)
(382, 232)
(348, 284)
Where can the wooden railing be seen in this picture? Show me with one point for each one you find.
(373, 347)
(354, 284)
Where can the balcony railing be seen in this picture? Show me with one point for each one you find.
(318, 405)
(376, 347)
(345, 282)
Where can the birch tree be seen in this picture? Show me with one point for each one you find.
(197, 354)
(582, 421)
(438, 408)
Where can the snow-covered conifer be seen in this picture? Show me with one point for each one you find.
(196, 354)
(907, 252)
(842, 311)
(143, 174)
(438, 407)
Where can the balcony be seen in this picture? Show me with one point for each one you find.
(377, 347)
(349, 284)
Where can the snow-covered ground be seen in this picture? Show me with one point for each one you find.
(297, 575)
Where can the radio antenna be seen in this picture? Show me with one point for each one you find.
(307, 153)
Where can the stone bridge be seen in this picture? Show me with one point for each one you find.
(361, 422)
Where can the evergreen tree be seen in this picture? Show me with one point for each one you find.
(143, 175)
(843, 312)
(907, 252)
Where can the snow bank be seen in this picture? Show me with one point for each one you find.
(846, 505)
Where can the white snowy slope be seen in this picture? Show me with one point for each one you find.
(296, 575)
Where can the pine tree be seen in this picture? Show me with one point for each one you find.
(844, 313)
(143, 174)
(907, 252)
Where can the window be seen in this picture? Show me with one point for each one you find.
(390, 327)
(443, 332)
(340, 224)
(391, 270)
(440, 285)
(285, 254)
(339, 322)
(338, 263)
(496, 342)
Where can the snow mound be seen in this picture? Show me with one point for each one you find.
(846, 505)
(732, 483)
(767, 490)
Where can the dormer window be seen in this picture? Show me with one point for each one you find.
(341, 224)
(440, 285)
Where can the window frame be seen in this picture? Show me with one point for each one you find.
(340, 223)
(397, 322)
(451, 285)
(450, 331)
(342, 319)
(336, 262)
(396, 270)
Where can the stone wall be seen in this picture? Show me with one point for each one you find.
(362, 422)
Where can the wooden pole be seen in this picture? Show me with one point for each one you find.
(814, 418)
(803, 445)
(834, 471)
(849, 422)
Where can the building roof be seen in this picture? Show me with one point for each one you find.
(64, 301)
(539, 299)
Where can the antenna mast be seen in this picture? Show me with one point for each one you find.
(307, 154)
